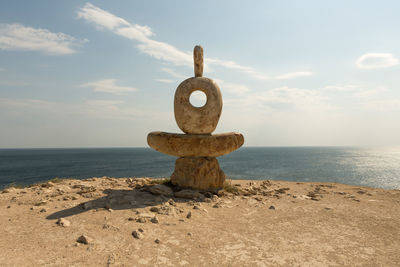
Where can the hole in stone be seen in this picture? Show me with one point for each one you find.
(198, 98)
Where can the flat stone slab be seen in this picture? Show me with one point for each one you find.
(195, 145)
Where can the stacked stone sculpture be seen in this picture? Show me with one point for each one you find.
(197, 149)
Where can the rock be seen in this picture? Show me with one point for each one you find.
(154, 219)
(84, 239)
(155, 209)
(157, 241)
(43, 210)
(137, 234)
(131, 219)
(198, 173)
(161, 189)
(63, 222)
(87, 205)
(189, 215)
(214, 198)
(189, 194)
(172, 202)
(41, 203)
(193, 120)
(141, 220)
(188, 145)
(217, 205)
(271, 207)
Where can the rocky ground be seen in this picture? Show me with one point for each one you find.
(145, 222)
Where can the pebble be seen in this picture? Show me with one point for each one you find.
(87, 205)
(43, 210)
(155, 209)
(63, 222)
(137, 234)
(41, 203)
(157, 241)
(214, 198)
(271, 207)
(154, 219)
(189, 215)
(84, 239)
(217, 205)
(141, 220)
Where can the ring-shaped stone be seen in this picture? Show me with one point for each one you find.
(197, 120)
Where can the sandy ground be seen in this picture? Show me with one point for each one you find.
(265, 223)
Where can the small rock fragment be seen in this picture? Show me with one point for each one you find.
(155, 209)
(63, 222)
(189, 215)
(84, 239)
(217, 205)
(271, 207)
(141, 220)
(157, 241)
(154, 219)
(137, 234)
(43, 210)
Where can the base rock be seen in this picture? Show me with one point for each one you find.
(198, 173)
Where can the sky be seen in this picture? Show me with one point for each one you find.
(291, 73)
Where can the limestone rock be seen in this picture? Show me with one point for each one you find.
(197, 120)
(198, 173)
(84, 239)
(189, 194)
(161, 189)
(63, 222)
(154, 219)
(137, 234)
(195, 145)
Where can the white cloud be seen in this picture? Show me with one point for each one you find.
(109, 86)
(293, 75)
(173, 73)
(233, 88)
(342, 88)
(19, 37)
(165, 81)
(161, 50)
(376, 61)
(100, 17)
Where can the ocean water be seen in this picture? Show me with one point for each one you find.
(356, 166)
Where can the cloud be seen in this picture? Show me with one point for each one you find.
(109, 86)
(233, 88)
(341, 88)
(165, 81)
(19, 37)
(376, 61)
(161, 50)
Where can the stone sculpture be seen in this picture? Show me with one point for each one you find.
(197, 149)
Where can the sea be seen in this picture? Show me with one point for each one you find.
(373, 167)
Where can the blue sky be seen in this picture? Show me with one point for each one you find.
(291, 73)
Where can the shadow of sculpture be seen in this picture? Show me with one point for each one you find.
(121, 200)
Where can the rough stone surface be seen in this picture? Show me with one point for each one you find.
(63, 222)
(197, 120)
(189, 194)
(198, 172)
(84, 239)
(188, 145)
(161, 189)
